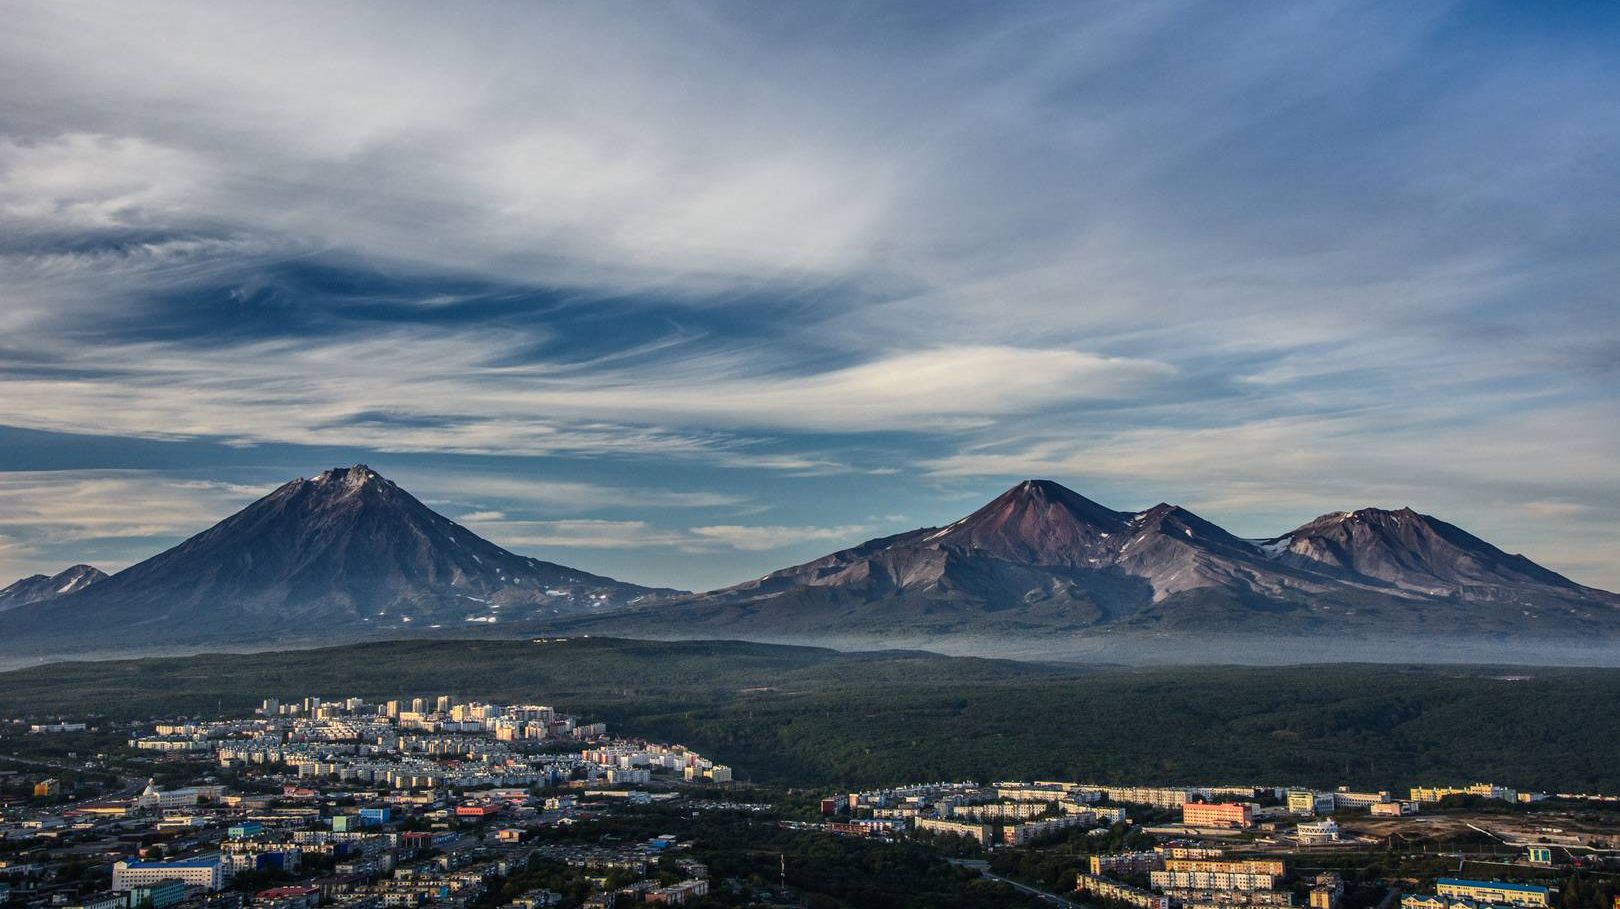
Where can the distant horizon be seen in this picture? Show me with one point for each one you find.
(684, 294)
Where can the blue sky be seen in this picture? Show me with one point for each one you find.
(682, 293)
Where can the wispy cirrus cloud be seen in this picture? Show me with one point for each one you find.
(765, 538)
(717, 257)
(604, 534)
(108, 517)
(450, 391)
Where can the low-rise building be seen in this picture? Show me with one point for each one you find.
(156, 895)
(1326, 890)
(983, 833)
(205, 871)
(1394, 809)
(1211, 880)
(1482, 790)
(106, 899)
(289, 898)
(1217, 814)
(1222, 899)
(1343, 799)
(1325, 831)
(1307, 802)
(1274, 867)
(1019, 834)
(1103, 888)
(1493, 892)
(1121, 863)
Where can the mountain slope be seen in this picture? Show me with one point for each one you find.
(1416, 552)
(1040, 558)
(38, 588)
(347, 552)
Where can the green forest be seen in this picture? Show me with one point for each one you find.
(814, 717)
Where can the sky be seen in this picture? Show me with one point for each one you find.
(686, 292)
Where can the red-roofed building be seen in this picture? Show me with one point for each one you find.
(288, 898)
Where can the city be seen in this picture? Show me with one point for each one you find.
(442, 801)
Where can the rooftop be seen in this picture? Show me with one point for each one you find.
(1494, 885)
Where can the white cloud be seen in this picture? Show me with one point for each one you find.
(1150, 243)
(605, 534)
(578, 534)
(70, 516)
(70, 505)
(473, 517)
(446, 392)
(506, 487)
(762, 538)
(84, 182)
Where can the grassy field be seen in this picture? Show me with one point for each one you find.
(806, 716)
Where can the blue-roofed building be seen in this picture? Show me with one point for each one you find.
(245, 830)
(205, 871)
(1500, 892)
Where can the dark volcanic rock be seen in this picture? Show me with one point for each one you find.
(1415, 552)
(347, 552)
(1041, 558)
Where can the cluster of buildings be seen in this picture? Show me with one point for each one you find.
(350, 805)
(1199, 877)
(423, 744)
(1010, 814)
(1479, 790)
(1016, 813)
(1250, 826)
(434, 801)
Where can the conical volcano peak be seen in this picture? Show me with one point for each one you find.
(1049, 493)
(347, 552)
(1042, 488)
(346, 483)
(1036, 522)
(358, 475)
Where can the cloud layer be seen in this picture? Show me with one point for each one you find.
(694, 289)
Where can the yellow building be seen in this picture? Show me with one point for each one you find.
(1493, 892)
(1483, 790)
(45, 789)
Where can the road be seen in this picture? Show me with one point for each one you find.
(983, 868)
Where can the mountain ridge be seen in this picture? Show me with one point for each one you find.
(344, 552)
(1040, 557)
(39, 587)
(349, 554)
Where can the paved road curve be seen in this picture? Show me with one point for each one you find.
(983, 868)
